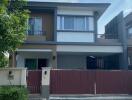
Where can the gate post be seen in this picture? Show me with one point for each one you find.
(45, 90)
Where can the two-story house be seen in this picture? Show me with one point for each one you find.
(65, 36)
(128, 27)
(121, 27)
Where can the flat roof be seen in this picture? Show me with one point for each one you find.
(98, 7)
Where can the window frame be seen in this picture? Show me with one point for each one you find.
(86, 18)
(31, 59)
(34, 32)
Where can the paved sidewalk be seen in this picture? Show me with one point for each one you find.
(91, 97)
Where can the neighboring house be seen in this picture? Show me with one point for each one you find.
(128, 27)
(64, 36)
(122, 27)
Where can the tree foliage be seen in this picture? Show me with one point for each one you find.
(13, 25)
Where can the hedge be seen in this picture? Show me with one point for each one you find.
(13, 93)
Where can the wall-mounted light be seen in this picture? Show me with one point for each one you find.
(10, 75)
(45, 72)
(54, 57)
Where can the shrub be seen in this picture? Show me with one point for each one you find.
(3, 60)
(13, 93)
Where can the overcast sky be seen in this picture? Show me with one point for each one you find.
(116, 7)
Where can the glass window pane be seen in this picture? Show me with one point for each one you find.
(35, 26)
(79, 23)
(130, 31)
(58, 23)
(87, 24)
(31, 23)
(68, 23)
(91, 24)
(38, 26)
(31, 64)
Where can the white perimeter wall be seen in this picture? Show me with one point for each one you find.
(19, 76)
(23, 55)
(71, 61)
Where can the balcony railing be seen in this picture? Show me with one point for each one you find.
(129, 36)
(107, 36)
(36, 33)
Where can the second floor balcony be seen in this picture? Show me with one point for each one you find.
(36, 36)
(40, 28)
(108, 39)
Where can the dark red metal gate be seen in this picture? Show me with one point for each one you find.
(111, 82)
(90, 82)
(34, 81)
(71, 82)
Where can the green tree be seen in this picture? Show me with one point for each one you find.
(13, 26)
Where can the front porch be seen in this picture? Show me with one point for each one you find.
(90, 57)
(35, 59)
(88, 61)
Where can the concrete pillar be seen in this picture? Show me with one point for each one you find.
(45, 92)
(23, 77)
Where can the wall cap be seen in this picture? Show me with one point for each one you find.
(7, 68)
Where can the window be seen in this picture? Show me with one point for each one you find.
(79, 23)
(75, 23)
(68, 23)
(35, 26)
(130, 32)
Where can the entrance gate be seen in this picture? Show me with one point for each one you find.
(34, 81)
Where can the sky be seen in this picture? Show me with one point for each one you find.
(115, 8)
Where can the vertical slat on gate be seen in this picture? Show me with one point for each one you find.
(71, 82)
(129, 82)
(34, 81)
(82, 82)
(111, 82)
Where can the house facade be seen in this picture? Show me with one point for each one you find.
(122, 27)
(65, 36)
(128, 27)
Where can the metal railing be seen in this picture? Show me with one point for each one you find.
(129, 36)
(36, 33)
(107, 36)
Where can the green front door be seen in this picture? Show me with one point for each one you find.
(31, 64)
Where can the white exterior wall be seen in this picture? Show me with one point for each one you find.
(74, 11)
(75, 37)
(21, 56)
(19, 76)
(71, 61)
(89, 49)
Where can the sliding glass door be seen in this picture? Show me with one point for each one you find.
(31, 64)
